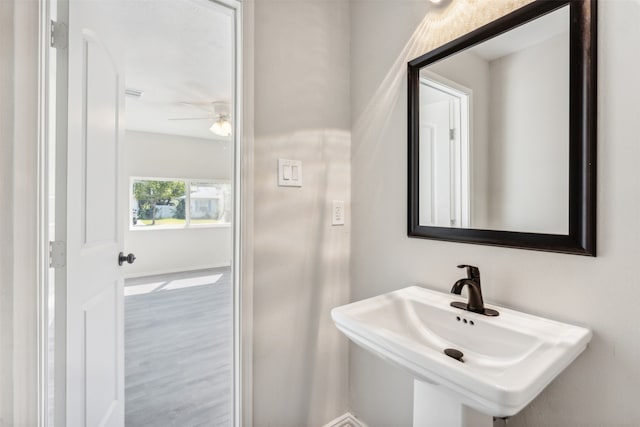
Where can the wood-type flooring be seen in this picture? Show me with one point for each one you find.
(179, 349)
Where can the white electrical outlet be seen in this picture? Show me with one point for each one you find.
(337, 212)
(289, 173)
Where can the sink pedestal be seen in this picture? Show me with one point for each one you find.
(433, 406)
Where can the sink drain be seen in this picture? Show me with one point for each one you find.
(456, 354)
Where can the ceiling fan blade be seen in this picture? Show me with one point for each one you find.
(193, 118)
(206, 106)
(213, 107)
(198, 104)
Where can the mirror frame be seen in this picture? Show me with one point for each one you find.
(581, 238)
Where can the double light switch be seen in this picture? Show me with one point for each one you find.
(289, 173)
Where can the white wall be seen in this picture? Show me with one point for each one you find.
(170, 156)
(301, 261)
(600, 388)
(528, 132)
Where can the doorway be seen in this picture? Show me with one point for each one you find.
(445, 147)
(145, 160)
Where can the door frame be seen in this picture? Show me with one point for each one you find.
(242, 227)
(464, 156)
(42, 211)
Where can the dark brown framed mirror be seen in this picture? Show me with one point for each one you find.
(502, 133)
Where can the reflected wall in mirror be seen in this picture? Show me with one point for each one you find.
(489, 117)
(502, 133)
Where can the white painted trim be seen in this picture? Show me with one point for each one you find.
(151, 229)
(444, 84)
(345, 420)
(173, 270)
(61, 132)
(44, 40)
(61, 10)
(244, 111)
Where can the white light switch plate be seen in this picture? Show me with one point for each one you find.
(337, 212)
(289, 173)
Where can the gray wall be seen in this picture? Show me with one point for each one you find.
(18, 191)
(301, 261)
(6, 215)
(529, 125)
(600, 388)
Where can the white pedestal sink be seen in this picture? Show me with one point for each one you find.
(507, 360)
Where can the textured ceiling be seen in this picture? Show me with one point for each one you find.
(178, 51)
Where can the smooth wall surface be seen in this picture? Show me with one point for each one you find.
(171, 250)
(18, 189)
(301, 261)
(6, 215)
(599, 389)
(528, 132)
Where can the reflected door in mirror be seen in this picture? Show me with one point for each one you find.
(444, 152)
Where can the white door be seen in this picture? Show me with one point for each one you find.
(436, 180)
(94, 348)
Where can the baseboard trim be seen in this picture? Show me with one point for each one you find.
(345, 420)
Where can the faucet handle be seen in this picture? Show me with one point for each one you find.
(473, 272)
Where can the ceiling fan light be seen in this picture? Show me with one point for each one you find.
(221, 127)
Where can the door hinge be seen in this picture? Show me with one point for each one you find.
(57, 254)
(59, 35)
(452, 134)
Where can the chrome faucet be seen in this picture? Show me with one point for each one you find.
(472, 281)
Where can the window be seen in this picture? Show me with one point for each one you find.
(210, 202)
(170, 203)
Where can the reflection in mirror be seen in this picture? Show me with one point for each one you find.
(502, 132)
(445, 111)
(494, 132)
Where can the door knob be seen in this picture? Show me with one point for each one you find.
(128, 258)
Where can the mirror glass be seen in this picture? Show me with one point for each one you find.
(502, 132)
(494, 132)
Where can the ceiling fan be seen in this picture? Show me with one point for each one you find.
(218, 111)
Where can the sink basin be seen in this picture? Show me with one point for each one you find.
(507, 360)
